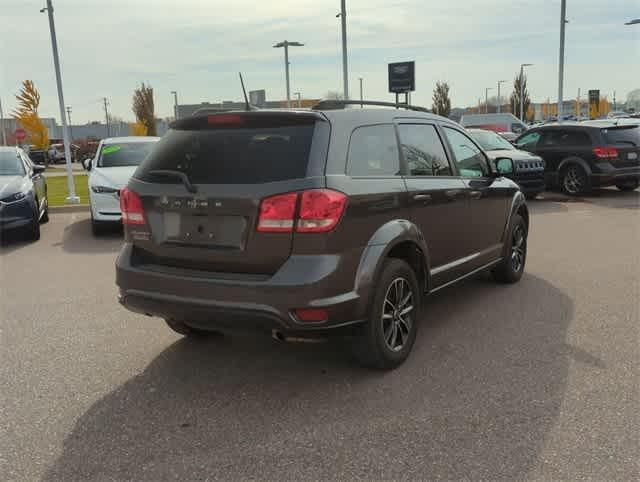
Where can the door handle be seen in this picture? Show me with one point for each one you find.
(425, 198)
(452, 194)
(475, 194)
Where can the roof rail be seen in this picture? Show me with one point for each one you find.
(330, 104)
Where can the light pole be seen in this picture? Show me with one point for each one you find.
(286, 44)
(4, 135)
(175, 104)
(499, 100)
(361, 97)
(486, 99)
(71, 198)
(563, 22)
(522, 66)
(299, 96)
(69, 121)
(345, 71)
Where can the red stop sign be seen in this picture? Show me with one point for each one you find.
(20, 134)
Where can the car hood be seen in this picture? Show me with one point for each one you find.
(515, 154)
(116, 177)
(10, 185)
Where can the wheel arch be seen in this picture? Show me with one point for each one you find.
(574, 160)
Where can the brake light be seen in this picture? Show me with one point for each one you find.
(277, 213)
(605, 152)
(313, 315)
(226, 119)
(131, 207)
(320, 210)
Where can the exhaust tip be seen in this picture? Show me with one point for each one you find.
(277, 335)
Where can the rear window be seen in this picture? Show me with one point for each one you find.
(622, 135)
(251, 155)
(124, 154)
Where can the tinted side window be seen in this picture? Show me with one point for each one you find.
(566, 138)
(423, 150)
(470, 160)
(528, 141)
(373, 151)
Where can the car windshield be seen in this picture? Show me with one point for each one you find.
(124, 153)
(10, 164)
(490, 141)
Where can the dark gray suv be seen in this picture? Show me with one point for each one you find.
(304, 224)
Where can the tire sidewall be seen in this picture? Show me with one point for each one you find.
(516, 275)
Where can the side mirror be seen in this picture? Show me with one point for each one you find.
(37, 169)
(87, 163)
(504, 166)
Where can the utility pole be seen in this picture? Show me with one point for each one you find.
(499, 99)
(175, 104)
(106, 115)
(69, 121)
(71, 198)
(4, 135)
(615, 107)
(578, 109)
(345, 73)
(361, 97)
(563, 21)
(299, 96)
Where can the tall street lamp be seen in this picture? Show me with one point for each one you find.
(499, 100)
(486, 99)
(522, 66)
(71, 198)
(563, 22)
(345, 71)
(286, 44)
(175, 104)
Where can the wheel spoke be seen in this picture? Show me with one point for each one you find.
(401, 335)
(404, 325)
(406, 310)
(394, 336)
(405, 301)
(388, 332)
(398, 286)
(387, 302)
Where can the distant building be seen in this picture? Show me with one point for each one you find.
(258, 99)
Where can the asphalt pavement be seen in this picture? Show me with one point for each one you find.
(538, 380)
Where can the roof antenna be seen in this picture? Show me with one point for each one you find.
(244, 91)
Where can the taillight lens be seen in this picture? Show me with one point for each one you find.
(131, 207)
(277, 213)
(605, 152)
(320, 210)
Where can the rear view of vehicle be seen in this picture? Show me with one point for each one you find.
(618, 157)
(223, 224)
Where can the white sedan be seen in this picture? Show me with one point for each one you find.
(110, 170)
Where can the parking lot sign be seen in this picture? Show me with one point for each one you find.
(594, 104)
(402, 77)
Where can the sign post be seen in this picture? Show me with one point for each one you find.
(402, 79)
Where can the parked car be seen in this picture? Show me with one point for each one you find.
(509, 136)
(305, 224)
(115, 161)
(60, 156)
(503, 122)
(23, 193)
(584, 155)
(529, 168)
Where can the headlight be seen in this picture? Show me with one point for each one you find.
(104, 190)
(14, 197)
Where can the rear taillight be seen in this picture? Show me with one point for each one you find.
(131, 207)
(605, 152)
(320, 212)
(277, 213)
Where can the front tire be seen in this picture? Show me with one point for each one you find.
(34, 228)
(574, 180)
(511, 268)
(390, 333)
(183, 329)
(45, 214)
(628, 186)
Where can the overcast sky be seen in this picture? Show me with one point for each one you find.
(196, 47)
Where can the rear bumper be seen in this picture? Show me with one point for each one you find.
(616, 176)
(247, 305)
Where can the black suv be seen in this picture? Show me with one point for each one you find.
(308, 223)
(580, 156)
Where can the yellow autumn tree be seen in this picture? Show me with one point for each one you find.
(604, 108)
(27, 115)
(137, 129)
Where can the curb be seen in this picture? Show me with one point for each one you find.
(70, 208)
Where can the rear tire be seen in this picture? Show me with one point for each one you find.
(183, 329)
(511, 268)
(34, 228)
(97, 228)
(574, 180)
(390, 332)
(628, 186)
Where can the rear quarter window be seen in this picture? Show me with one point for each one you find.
(373, 151)
(252, 155)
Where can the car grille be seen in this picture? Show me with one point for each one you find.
(530, 165)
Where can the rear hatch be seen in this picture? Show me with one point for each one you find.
(202, 186)
(622, 145)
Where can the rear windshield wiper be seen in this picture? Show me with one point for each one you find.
(175, 174)
(627, 142)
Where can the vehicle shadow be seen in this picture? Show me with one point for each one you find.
(544, 206)
(613, 198)
(14, 240)
(475, 400)
(77, 238)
